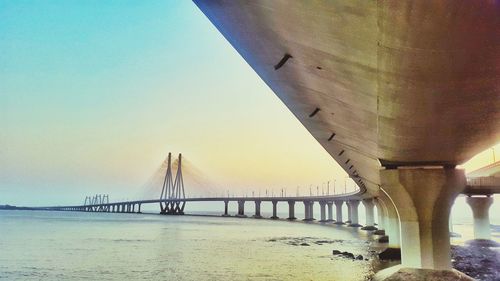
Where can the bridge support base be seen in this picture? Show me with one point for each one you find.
(423, 199)
(291, 211)
(480, 210)
(322, 211)
(370, 220)
(330, 212)
(257, 210)
(400, 273)
(241, 209)
(275, 210)
(338, 209)
(391, 222)
(353, 207)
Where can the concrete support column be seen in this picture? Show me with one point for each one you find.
(349, 215)
(275, 210)
(311, 210)
(353, 206)
(226, 214)
(330, 211)
(370, 216)
(338, 211)
(322, 206)
(133, 208)
(381, 216)
(392, 229)
(480, 210)
(423, 199)
(306, 210)
(257, 210)
(139, 208)
(291, 210)
(241, 209)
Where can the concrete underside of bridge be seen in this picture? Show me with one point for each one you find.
(382, 85)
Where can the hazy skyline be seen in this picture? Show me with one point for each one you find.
(93, 97)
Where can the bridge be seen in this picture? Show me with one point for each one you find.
(172, 201)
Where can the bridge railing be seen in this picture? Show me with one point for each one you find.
(483, 181)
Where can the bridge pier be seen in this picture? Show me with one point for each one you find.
(133, 207)
(139, 208)
(338, 211)
(309, 210)
(291, 210)
(381, 217)
(392, 229)
(330, 211)
(349, 214)
(241, 209)
(275, 210)
(257, 210)
(306, 210)
(480, 210)
(353, 206)
(370, 220)
(423, 199)
(322, 206)
(226, 203)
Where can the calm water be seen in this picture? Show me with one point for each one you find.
(93, 246)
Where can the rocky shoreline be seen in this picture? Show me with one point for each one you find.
(478, 259)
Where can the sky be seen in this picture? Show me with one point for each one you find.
(94, 94)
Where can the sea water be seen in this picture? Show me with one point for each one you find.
(38, 245)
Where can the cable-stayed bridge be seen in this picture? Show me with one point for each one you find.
(173, 200)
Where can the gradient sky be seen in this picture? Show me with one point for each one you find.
(94, 94)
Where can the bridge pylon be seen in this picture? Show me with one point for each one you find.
(173, 193)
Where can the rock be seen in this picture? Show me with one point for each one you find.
(336, 252)
(477, 261)
(379, 232)
(304, 244)
(359, 257)
(348, 255)
(383, 239)
(390, 254)
(482, 243)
